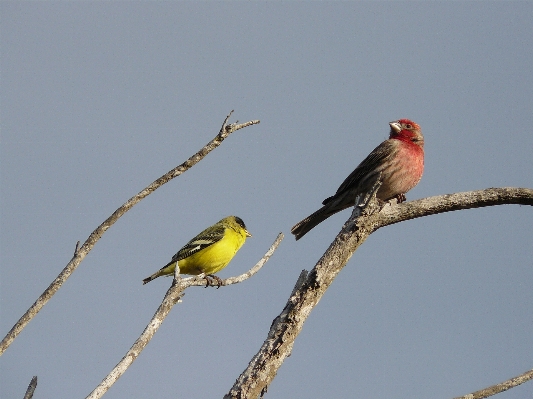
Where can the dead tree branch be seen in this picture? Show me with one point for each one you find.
(173, 296)
(82, 251)
(263, 367)
(501, 387)
(31, 388)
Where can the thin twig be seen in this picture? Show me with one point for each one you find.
(501, 387)
(31, 388)
(173, 296)
(249, 273)
(224, 132)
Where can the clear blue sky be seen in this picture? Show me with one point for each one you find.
(98, 99)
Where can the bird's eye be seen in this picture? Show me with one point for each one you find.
(409, 126)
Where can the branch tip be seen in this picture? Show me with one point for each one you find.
(31, 388)
(110, 221)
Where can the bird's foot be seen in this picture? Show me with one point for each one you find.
(209, 281)
(400, 198)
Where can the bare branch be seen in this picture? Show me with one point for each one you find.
(31, 388)
(81, 252)
(501, 387)
(249, 273)
(453, 202)
(173, 296)
(300, 281)
(263, 367)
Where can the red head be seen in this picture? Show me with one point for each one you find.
(406, 130)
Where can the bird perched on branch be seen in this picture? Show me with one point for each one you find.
(400, 163)
(208, 252)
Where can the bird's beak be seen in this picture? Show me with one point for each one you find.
(247, 233)
(396, 126)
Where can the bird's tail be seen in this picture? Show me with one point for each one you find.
(148, 279)
(166, 270)
(303, 227)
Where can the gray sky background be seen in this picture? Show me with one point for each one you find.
(100, 99)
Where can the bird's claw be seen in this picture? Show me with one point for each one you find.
(209, 282)
(400, 198)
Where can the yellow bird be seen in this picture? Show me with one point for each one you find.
(208, 252)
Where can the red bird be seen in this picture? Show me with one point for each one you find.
(400, 160)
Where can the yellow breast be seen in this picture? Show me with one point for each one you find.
(215, 257)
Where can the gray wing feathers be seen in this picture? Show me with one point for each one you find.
(366, 173)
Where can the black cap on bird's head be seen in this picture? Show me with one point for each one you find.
(240, 222)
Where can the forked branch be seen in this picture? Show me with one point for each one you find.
(263, 367)
(173, 296)
(81, 252)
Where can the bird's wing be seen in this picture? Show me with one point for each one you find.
(371, 165)
(201, 241)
